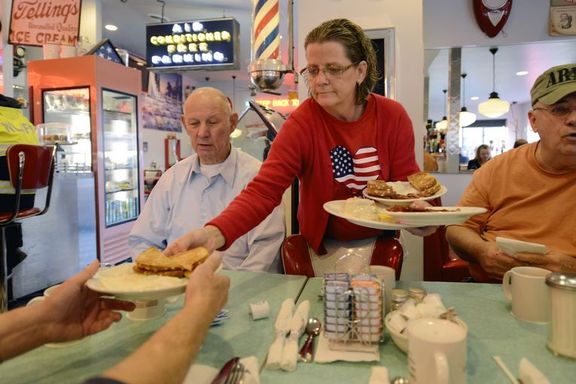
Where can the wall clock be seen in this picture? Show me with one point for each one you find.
(491, 15)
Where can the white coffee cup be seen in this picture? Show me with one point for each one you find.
(436, 352)
(388, 277)
(525, 288)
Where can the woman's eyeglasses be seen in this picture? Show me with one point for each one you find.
(559, 111)
(330, 71)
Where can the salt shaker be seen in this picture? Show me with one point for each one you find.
(399, 297)
(562, 325)
(417, 294)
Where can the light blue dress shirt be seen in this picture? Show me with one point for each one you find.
(185, 199)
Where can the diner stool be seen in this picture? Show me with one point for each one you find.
(31, 167)
(299, 259)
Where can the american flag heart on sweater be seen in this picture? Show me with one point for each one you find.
(355, 171)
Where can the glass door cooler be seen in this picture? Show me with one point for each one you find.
(88, 107)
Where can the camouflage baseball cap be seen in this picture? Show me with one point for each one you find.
(554, 84)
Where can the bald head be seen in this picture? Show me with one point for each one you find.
(209, 121)
(213, 95)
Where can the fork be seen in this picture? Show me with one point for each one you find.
(236, 374)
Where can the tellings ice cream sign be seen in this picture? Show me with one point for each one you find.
(40, 22)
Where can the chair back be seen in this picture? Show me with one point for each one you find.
(30, 167)
(299, 259)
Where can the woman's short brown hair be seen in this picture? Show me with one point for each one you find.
(358, 47)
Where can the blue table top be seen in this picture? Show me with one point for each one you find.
(491, 331)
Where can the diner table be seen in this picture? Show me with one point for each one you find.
(237, 336)
(492, 330)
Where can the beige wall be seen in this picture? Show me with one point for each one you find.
(407, 20)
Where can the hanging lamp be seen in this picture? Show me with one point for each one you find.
(494, 106)
(466, 117)
(443, 124)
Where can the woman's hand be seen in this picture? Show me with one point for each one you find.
(421, 231)
(208, 237)
(73, 311)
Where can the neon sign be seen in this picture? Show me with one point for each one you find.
(188, 45)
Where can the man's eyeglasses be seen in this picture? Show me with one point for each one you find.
(559, 111)
(330, 71)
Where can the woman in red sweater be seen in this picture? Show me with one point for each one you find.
(337, 140)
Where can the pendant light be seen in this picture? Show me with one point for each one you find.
(443, 124)
(466, 118)
(494, 106)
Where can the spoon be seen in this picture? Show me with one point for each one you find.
(312, 330)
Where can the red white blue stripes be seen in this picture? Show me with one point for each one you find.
(266, 30)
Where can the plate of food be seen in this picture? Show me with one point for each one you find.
(401, 214)
(152, 276)
(420, 186)
(363, 212)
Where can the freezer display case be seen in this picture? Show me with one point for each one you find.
(120, 148)
(88, 107)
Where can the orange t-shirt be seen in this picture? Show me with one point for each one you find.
(524, 202)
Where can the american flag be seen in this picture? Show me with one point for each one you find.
(105, 49)
(355, 171)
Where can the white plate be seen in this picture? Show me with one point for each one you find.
(122, 282)
(336, 208)
(456, 215)
(385, 201)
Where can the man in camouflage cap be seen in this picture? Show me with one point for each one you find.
(528, 191)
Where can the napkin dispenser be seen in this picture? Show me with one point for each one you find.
(353, 310)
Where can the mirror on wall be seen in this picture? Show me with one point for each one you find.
(510, 72)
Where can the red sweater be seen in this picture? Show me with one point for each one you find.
(302, 149)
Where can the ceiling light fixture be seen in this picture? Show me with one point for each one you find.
(521, 73)
(466, 117)
(111, 27)
(474, 98)
(494, 106)
(442, 125)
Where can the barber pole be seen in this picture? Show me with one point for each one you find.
(266, 30)
(266, 69)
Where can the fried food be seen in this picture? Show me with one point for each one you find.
(425, 183)
(153, 262)
(379, 188)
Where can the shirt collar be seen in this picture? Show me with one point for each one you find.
(228, 170)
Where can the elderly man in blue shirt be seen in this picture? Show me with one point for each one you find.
(199, 187)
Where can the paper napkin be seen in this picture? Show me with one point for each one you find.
(252, 375)
(297, 325)
(204, 374)
(529, 374)
(379, 375)
(282, 327)
(324, 354)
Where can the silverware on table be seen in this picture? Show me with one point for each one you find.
(312, 329)
(237, 374)
(226, 371)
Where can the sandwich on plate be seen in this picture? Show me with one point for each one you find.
(153, 262)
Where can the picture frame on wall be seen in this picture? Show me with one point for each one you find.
(562, 18)
(383, 42)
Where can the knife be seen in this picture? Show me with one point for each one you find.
(225, 371)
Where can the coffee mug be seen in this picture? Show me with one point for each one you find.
(388, 277)
(436, 352)
(525, 288)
